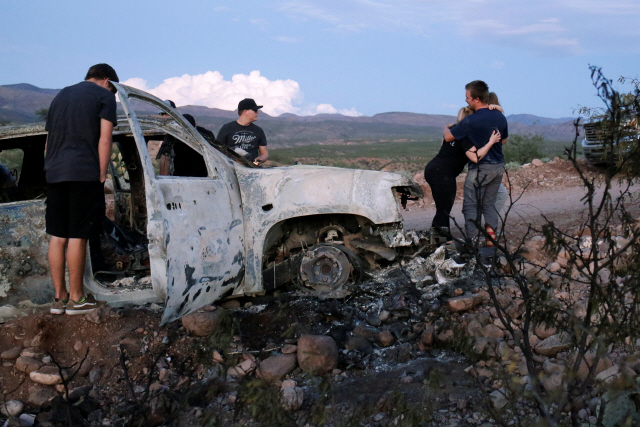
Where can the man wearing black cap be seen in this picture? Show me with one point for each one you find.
(243, 136)
(80, 121)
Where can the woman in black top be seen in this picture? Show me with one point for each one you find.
(441, 172)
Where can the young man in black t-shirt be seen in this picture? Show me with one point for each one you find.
(80, 121)
(243, 136)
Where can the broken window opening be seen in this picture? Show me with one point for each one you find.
(22, 172)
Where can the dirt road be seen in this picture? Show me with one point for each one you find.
(561, 204)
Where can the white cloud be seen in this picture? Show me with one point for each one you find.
(330, 109)
(496, 64)
(559, 28)
(212, 90)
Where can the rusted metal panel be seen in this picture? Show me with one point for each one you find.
(194, 225)
(275, 194)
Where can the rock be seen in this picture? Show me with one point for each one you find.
(317, 354)
(589, 359)
(95, 375)
(384, 315)
(40, 395)
(27, 364)
(492, 331)
(31, 352)
(552, 345)
(498, 398)
(27, 420)
(554, 383)
(203, 323)
(359, 344)
(445, 336)
(544, 332)
(292, 398)
(11, 408)
(474, 328)
(243, 368)
(373, 319)
(364, 331)
(406, 379)
(85, 368)
(12, 353)
(427, 335)
(289, 349)
(537, 162)
(38, 340)
(288, 383)
(483, 344)
(78, 392)
(554, 266)
(47, 375)
(386, 338)
(275, 367)
(231, 304)
(463, 303)
(217, 357)
(99, 315)
(617, 376)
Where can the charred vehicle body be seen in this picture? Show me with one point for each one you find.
(227, 229)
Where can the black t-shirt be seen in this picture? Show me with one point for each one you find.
(207, 134)
(248, 138)
(73, 123)
(478, 128)
(453, 154)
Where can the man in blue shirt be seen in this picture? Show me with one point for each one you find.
(485, 175)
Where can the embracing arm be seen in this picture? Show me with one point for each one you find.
(448, 136)
(475, 155)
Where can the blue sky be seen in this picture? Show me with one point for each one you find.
(347, 56)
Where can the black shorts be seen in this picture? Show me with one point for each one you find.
(75, 208)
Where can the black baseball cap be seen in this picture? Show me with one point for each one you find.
(248, 104)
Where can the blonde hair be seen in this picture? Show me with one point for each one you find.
(464, 112)
(492, 98)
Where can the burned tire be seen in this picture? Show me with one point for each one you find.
(328, 267)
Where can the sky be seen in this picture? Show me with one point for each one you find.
(352, 57)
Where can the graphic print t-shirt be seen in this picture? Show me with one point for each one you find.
(247, 138)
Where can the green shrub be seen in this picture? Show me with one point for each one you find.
(523, 148)
(512, 166)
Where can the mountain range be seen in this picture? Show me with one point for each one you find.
(19, 103)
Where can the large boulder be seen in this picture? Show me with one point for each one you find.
(463, 303)
(40, 394)
(12, 353)
(47, 375)
(275, 367)
(202, 322)
(553, 345)
(27, 364)
(317, 354)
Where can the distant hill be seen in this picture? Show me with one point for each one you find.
(19, 102)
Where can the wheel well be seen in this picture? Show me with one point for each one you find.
(296, 234)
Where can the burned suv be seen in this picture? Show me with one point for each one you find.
(223, 227)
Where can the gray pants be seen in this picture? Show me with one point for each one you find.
(480, 193)
(501, 198)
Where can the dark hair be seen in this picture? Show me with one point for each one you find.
(102, 71)
(478, 89)
(492, 98)
(190, 119)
